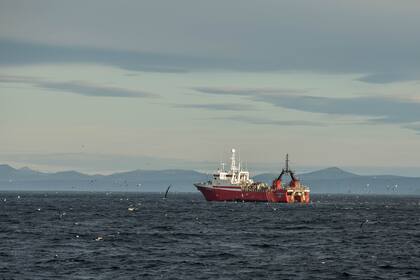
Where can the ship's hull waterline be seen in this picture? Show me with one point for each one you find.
(221, 193)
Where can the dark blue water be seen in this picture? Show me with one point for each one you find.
(95, 236)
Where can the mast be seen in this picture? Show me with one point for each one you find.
(287, 163)
(233, 164)
(239, 163)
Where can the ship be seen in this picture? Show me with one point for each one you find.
(236, 185)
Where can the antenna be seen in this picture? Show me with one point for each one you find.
(239, 154)
(287, 163)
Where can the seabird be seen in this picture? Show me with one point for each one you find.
(363, 223)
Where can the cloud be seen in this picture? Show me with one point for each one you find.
(13, 52)
(246, 91)
(363, 37)
(413, 126)
(78, 87)
(94, 90)
(377, 109)
(389, 77)
(18, 79)
(385, 66)
(263, 121)
(218, 107)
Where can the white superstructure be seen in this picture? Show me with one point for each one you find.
(235, 177)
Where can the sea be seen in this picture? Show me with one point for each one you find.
(112, 235)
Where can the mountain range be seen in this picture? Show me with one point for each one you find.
(329, 180)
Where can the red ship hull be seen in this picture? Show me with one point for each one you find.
(236, 194)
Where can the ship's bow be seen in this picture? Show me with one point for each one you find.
(206, 190)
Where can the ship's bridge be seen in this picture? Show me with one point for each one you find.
(233, 176)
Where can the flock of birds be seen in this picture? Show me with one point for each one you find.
(126, 184)
(98, 238)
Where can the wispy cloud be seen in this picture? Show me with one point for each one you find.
(18, 79)
(246, 91)
(87, 89)
(265, 121)
(413, 126)
(377, 109)
(78, 87)
(389, 77)
(14, 52)
(218, 106)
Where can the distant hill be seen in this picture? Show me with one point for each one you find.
(336, 180)
(332, 173)
(9, 173)
(329, 180)
(136, 180)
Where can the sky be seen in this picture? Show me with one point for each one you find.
(104, 86)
